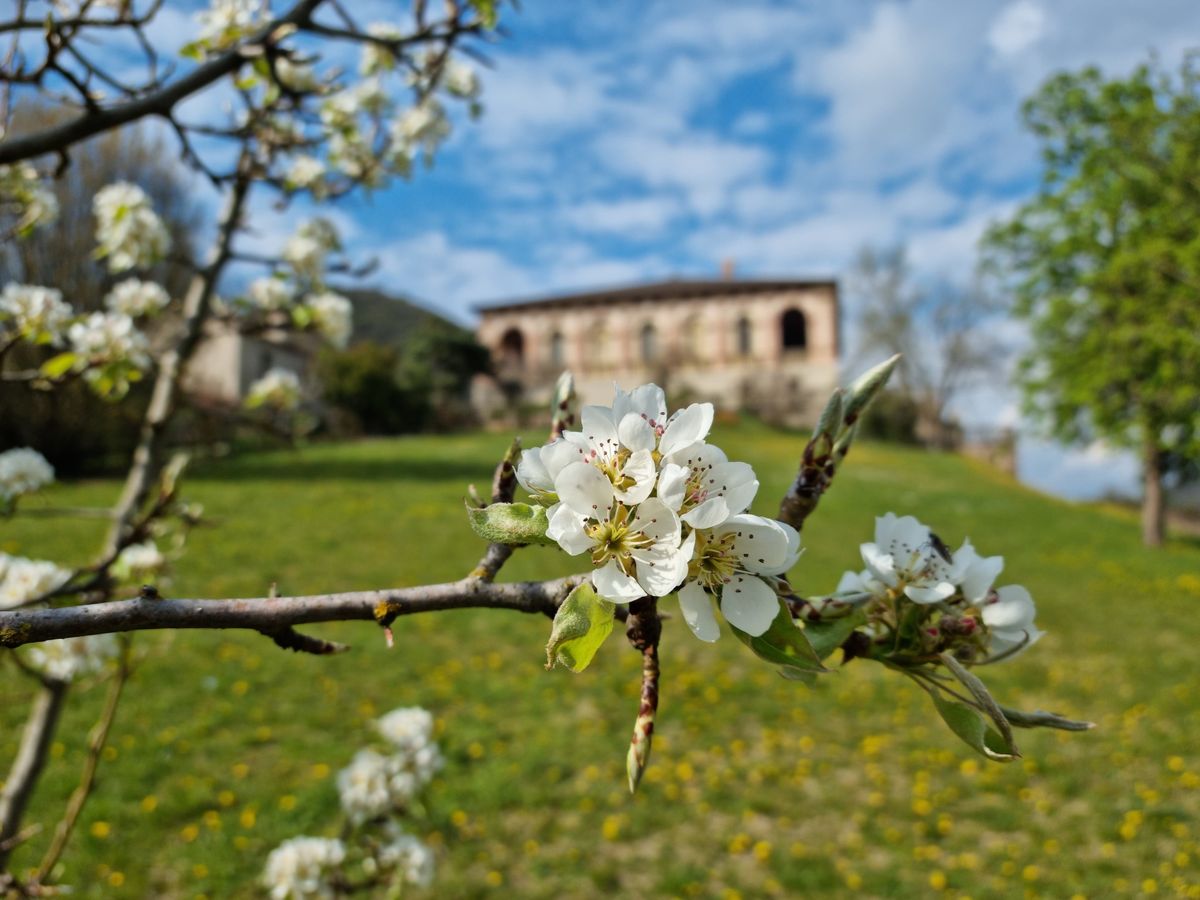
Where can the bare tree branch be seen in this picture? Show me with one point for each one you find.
(267, 614)
(31, 756)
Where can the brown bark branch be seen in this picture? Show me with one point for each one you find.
(31, 757)
(267, 614)
(643, 628)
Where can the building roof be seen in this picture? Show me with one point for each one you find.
(673, 289)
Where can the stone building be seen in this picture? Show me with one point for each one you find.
(770, 347)
(227, 362)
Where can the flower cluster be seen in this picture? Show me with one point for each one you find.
(128, 230)
(332, 316)
(22, 471)
(32, 201)
(269, 293)
(304, 867)
(307, 249)
(375, 790)
(37, 314)
(110, 351)
(228, 21)
(71, 658)
(23, 580)
(659, 509)
(279, 389)
(137, 299)
(946, 600)
(375, 785)
(139, 563)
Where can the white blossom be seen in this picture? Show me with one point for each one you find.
(228, 21)
(23, 471)
(738, 562)
(139, 562)
(406, 855)
(129, 232)
(375, 785)
(34, 202)
(108, 337)
(906, 556)
(269, 294)
(306, 173)
(71, 658)
(1008, 613)
(376, 58)
(420, 128)
(278, 389)
(137, 298)
(332, 315)
(407, 728)
(296, 76)
(460, 79)
(34, 312)
(302, 868)
(23, 580)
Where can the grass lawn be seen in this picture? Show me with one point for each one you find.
(758, 786)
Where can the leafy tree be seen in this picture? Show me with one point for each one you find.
(1104, 264)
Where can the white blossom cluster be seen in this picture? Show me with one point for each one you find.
(278, 389)
(304, 867)
(307, 250)
(332, 316)
(128, 230)
(659, 510)
(23, 580)
(406, 855)
(31, 200)
(137, 299)
(104, 340)
(908, 562)
(22, 471)
(226, 22)
(35, 313)
(268, 294)
(376, 784)
(306, 173)
(71, 658)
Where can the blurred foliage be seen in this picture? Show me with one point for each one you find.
(373, 388)
(892, 417)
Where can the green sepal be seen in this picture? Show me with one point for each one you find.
(784, 644)
(510, 523)
(829, 634)
(970, 725)
(583, 622)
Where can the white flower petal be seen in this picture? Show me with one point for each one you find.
(978, 573)
(639, 467)
(880, 564)
(698, 456)
(1013, 608)
(566, 527)
(672, 485)
(614, 585)
(599, 430)
(532, 474)
(658, 521)
(585, 489)
(759, 545)
(636, 433)
(697, 610)
(749, 603)
(712, 512)
(569, 448)
(688, 427)
(933, 593)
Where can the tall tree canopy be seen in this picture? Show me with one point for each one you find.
(1104, 264)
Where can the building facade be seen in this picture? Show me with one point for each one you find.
(770, 347)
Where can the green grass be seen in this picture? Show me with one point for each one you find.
(758, 786)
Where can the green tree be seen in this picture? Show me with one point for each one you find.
(1104, 265)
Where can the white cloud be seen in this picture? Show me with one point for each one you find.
(635, 217)
(1019, 26)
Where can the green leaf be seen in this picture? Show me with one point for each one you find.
(510, 523)
(969, 724)
(488, 15)
(581, 625)
(60, 365)
(784, 644)
(827, 635)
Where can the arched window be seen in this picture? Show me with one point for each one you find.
(649, 343)
(558, 352)
(795, 332)
(745, 341)
(512, 347)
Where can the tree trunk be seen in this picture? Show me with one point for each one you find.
(1154, 507)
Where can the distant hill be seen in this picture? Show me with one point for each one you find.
(390, 320)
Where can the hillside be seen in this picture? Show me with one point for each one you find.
(387, 319)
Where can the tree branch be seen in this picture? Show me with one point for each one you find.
(31, 756)
(270, 615)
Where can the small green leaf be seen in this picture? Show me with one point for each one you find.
(827, 635)
(581, 625)
(510, 523)
(970, 725)
(60, 365)
(784, 644)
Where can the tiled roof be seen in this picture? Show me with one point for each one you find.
(675, 289)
